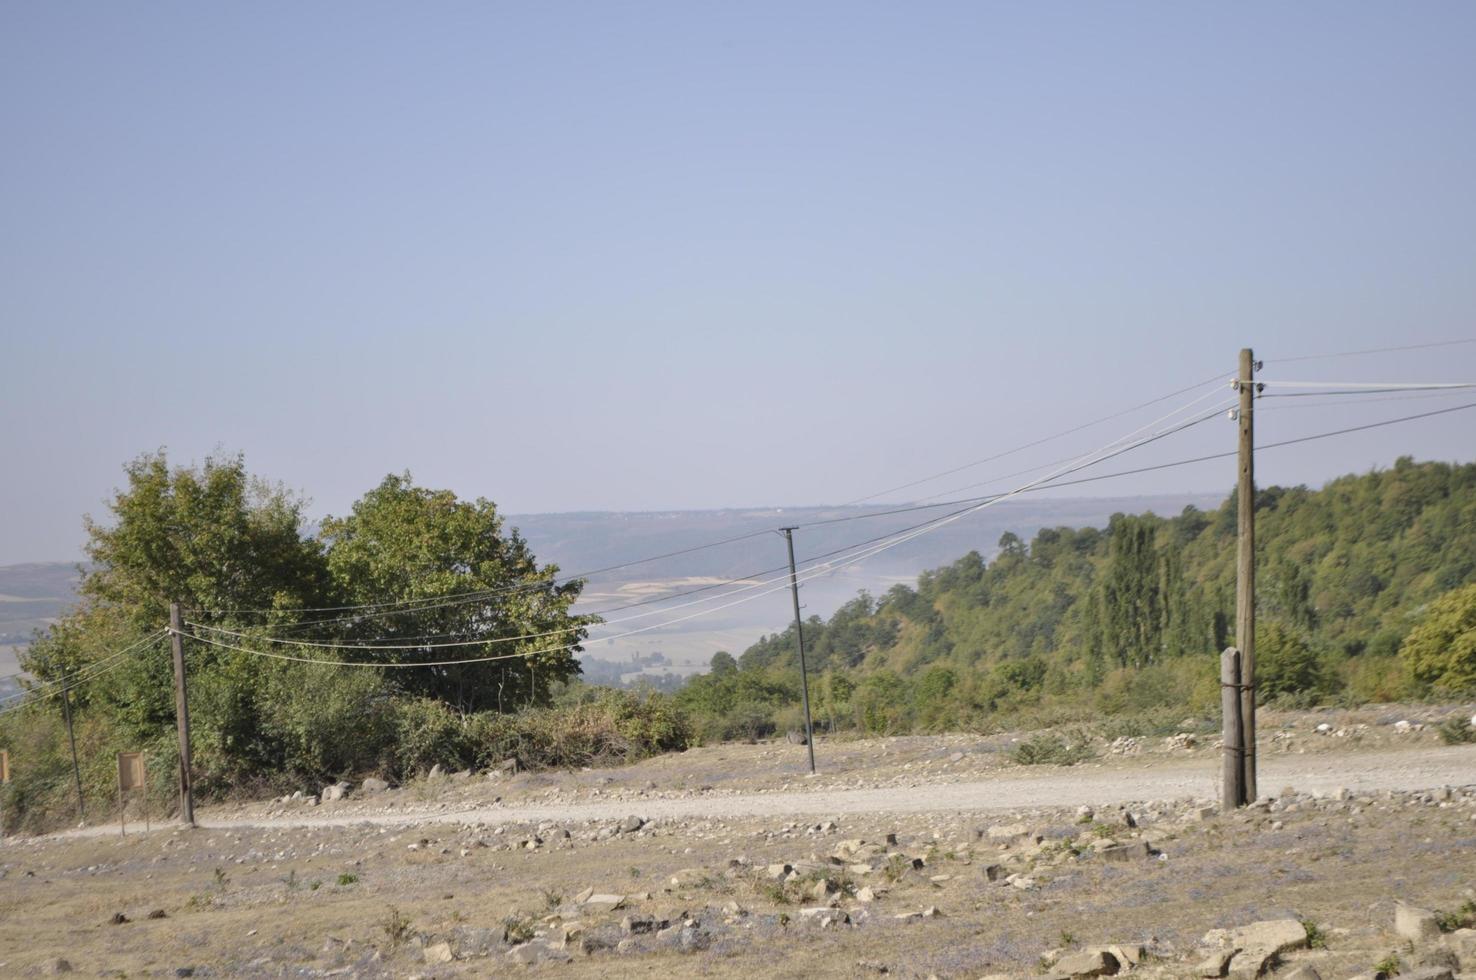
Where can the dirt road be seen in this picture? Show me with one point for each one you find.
(1015, 788)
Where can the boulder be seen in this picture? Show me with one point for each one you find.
(603, 903)
(1261, 944)
(374, 785)
(630, 825)
(1303, 973)
(436, 771)
(1087, 963)
(824, 917)
(438, 953)
(1415, 924)
(1125, 853)
(1429, 973)
(337, 791)
(796, 737)
(1216, 964)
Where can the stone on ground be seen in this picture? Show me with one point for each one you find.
(1415, 924)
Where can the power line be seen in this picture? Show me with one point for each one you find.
(898, 538)
(88, 673)
(1374, 350)
(1032, 445)
(1355, 386)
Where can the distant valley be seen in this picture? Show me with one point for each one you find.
(33, 595)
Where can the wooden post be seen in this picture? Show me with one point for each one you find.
(1245, 571)
(1232, 786)
(182, 718)
(72, 741)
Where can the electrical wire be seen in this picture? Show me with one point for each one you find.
(1374, 350)
(85, 675)
(826, 568)
(1031, 445)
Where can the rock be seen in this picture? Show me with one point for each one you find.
(795, 737)
(58, 966)
(1260, 943)
(1217, 964)
(1007, 832)
(157, 914)
(1438, 957)
(118, 919)
(337, 791)
(778, 870)
(374, 785)
(1303, 973)
(825, 916)
(436, 772)
(689, 878)
(584, 896)
(603, 903)
(184, 971)
(641, 925)
(630, 825)
(1429, 973)
(993, 872)
(1124, 853)
(438, 953)
(1087, 963)
(507, 767)
(956, 757)
(1415, 924)
(1084, 814)
(866, 895)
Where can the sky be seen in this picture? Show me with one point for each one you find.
(649, 256)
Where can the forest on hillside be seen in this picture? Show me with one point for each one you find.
(1131, 617)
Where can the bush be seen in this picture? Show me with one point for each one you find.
(607, 728)
(428, 733)
(1441, 651)
(1052, 750)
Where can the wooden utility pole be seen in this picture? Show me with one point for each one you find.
(72, 742)
(182, 717)
(1245, 570)
(799, 639)
(1232, 786)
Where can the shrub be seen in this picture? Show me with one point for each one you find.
(1050, 749)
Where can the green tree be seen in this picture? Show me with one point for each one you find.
(1441, 650)
(465, 589)
(722, 663)
(1286, 664)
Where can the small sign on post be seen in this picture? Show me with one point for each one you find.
(4, 766)
(132, 776)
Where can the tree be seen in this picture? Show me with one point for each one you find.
(212, 538)
(722, 663)
(474, 591)
(1285, 663)
(1441, 650)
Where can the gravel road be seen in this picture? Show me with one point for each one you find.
(1410, 769)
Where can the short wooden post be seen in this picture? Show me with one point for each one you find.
(182, 718)
(1232, 786)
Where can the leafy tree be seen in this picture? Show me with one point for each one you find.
(474, 589)
(1441, 650)
(1286, 665)
(722, 663)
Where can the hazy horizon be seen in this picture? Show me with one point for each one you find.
(669, 257)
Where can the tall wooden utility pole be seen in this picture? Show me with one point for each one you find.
(72, 741)
(182, 717)
(1245, 569)
(799, 638)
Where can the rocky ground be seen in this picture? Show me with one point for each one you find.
(442, 879)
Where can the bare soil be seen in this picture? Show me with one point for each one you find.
(496, 869)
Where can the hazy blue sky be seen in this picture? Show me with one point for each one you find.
(648, 256)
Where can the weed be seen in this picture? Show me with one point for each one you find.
(396, 927)
(552, 898)
(221, 879)
(1457, 731)
(347, 878)
(291, 880)
(896, 867)
(1316, 937)
(517, 928)
(314, 885)
(1462, 918)
(635, 872)
(1067, 939)
(1389, 964)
